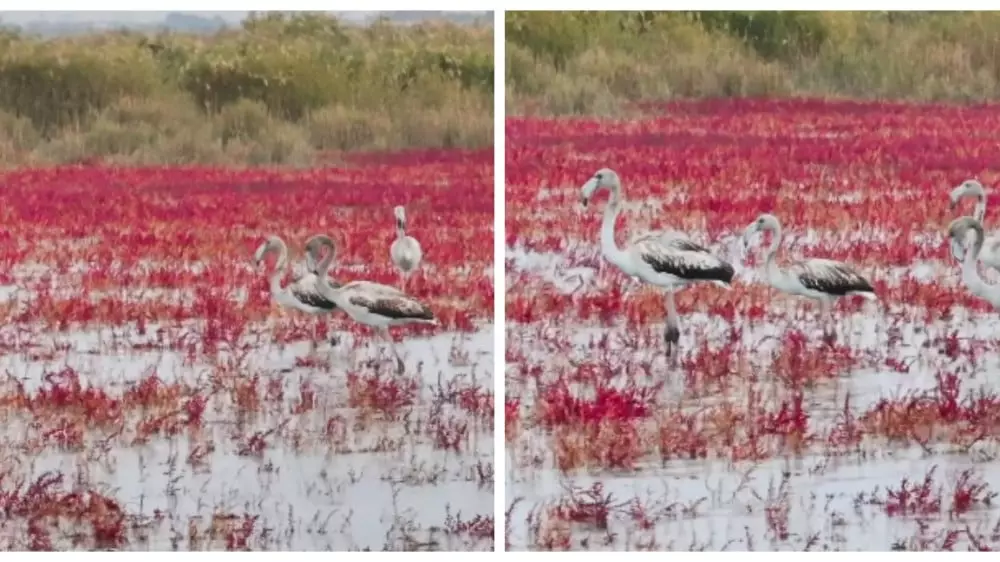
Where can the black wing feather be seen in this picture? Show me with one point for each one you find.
(394, 308)
(673, 264)
(314, 298)
(838, 280)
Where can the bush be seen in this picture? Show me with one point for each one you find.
(273, 92)
(601, 62)
(60, 84)
(343, 128)
(244, 120)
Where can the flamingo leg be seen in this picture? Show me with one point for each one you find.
(392, 346)
(827, 319)
(333, 337)
(312, 340)
(671, 332)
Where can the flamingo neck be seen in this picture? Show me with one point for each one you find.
(323, 286)
(980, 211)
(279, 270)
(609, 247)
(310, 261)
(774, 274)
(324, 264)
(970, 271)
(671, 310)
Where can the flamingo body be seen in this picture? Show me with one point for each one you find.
(405, 251)
(818, 279)
(667, 259)
(373, 304)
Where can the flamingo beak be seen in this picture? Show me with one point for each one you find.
(588, 190)
(258, 256)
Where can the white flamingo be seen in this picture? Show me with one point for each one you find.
(301, 294)
(667, 259)
(958, 231)
(818, 279)
(405, 250)
(373, 304)
(990, 255)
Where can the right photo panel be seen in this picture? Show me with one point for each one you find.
(752, 282)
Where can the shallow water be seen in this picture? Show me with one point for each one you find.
(307, 497)
(822, 490)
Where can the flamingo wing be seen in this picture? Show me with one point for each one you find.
(387, 301)
(685, 260)
(830, 277)
(306, 291)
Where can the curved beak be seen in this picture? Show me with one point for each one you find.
(587, 191)
(956, 196)
(258, 256)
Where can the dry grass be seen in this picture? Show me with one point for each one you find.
(575, 63)
(279, 91)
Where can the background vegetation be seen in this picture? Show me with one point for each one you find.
(280, 90)
(599, 62)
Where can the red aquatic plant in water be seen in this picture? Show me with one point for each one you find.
(218, 216)
(862, 182)
(140, 331)
(559, 405)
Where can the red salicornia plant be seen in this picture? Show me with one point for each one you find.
(155, 398)
(765, 434)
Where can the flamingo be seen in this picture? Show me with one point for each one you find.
(958, 231)
(990, 254)
(817, 279)
(302, 294)
(405, 250)
(372, 304)
(667, 258)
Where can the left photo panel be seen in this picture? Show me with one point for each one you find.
(247, 284)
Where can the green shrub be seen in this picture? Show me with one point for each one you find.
(244, 120)
(601, 62)
(297, 78)
(56, 85)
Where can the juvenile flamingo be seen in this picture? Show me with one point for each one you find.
(958, 231)
(405, 250)
(821, 280)
(303, 293)
(990, 254)
(667, 259)
(373, 304)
